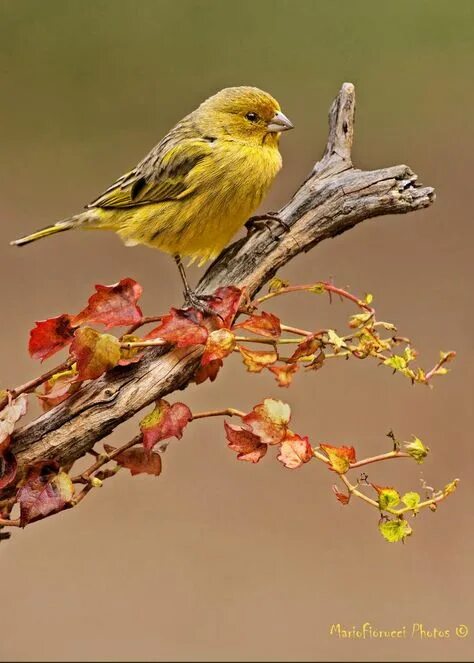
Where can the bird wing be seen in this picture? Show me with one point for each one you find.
(162, 175)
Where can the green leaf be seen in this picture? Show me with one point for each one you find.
(359, 320)
(395, 530)
(411, 500)
(417, 449)
(276, 284)
(388, 498)
(409, 354)
(335, 340)
(397, 362)
(389, 326)
(450, 487)
(446, 356)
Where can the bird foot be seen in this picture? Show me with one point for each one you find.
(262, 221)
(198, 302)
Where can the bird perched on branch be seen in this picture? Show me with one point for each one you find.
(198, 186)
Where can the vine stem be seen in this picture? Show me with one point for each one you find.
(96, 472)
(354, 491)
(365, 461)
(128, 345)
(436, 367)
(268, 341)
(104, 458)
(147, 319)
(296, 330)
(5, 522)
(380, 457)
(328, 287)
(35, 382)
(228, 411)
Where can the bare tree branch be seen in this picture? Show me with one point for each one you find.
(335, 197)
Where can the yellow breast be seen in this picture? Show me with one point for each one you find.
(224, 191)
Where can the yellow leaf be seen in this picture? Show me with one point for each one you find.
(395, 530)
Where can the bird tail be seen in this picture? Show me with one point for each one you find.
(58, 227)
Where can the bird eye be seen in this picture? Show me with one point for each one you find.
(252, 117)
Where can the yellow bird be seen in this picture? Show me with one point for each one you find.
(198, 186)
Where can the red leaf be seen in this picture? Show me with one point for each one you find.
(50, 336)
(265, 324)
(284, 374)
(44, 491)
(113, 305)
(95, 353)
(10, 415)
(210, 371)
(163, 422)
(340, 458)
(225, 302)
(269, 420)
(294, 451)
(138, 460)
(219, 344)
(343, 498)
(256, 360)
(181, 327)
(248, 446)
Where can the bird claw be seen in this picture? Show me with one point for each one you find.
(197, 302)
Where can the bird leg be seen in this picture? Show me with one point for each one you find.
(265, 221)
(190, 297)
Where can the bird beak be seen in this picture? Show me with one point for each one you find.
(279, 122)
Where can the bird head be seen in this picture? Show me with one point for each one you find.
(245, 113)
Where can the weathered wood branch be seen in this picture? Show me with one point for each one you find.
(334, 198)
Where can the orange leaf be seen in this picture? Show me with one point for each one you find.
(138, 460)
(284, 374)
(219, 344)
(265, 324)
(50, 336)
(269, 420)
(163, 422)
(95, 353)
(256, 360)
(294, 451)
(181, 327)
(306, 348)
(340, 458)
(210, 371)
(343, 498)
(113, 305)
(247, 445)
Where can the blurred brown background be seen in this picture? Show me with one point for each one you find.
(220, 560)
